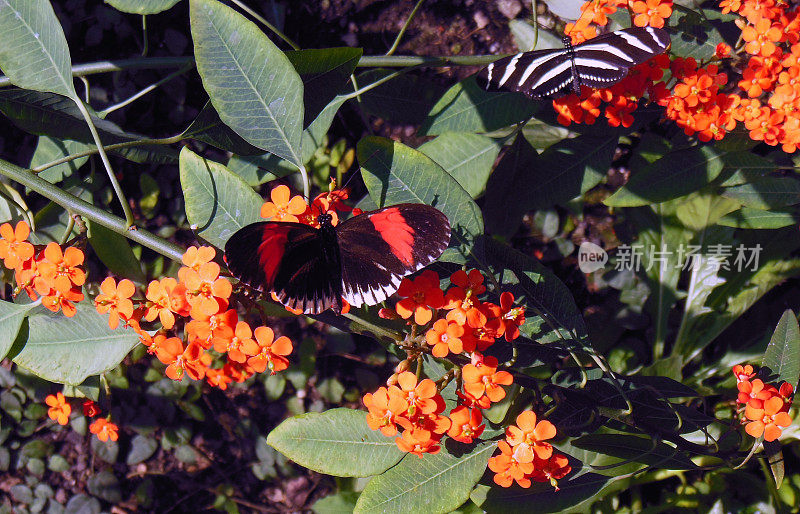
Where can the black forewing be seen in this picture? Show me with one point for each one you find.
(287, 259)
(371, 268)
(599, 62)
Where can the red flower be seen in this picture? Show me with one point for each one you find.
(465, 424)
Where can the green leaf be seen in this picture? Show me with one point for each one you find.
(575, 494)
(508, 188)
(433, 484)
(569, 168)
(314, 135)
(251, 83)
(676, 174)
(11, 317)
(218, 202)
(343, 502)
(142, 448)
(536, 287)
(528, 38)
(782, 357)
(34, 54)
(637, 449)
(115, 252)
(258, 169)
(53, 115)
(49, 149)
(336, 442)
(766, 193)
(395, 173)
(695, 37)
(142, 6)
(468, 158)
(403, 99)
(208, 128)
(466, 107)
(324, 72)
(67, 350)
(758, 219)
(741, 167)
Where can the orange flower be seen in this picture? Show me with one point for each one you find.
(421, 398)
(551, 470)
(472, 281)
(508, 468)
(115, 299)
(59, 270)
(282, 208)
(194, 257)
(767, 420)
(159, 303)
(421, 296)
(761, 38)
(205, 328)
(59, 410)
(271, 354)
(464, 308)
(510, 318)
(237, 343)
(485, 379)
(465, 424)
(14, 247)
(743, 373)
(217, 378)
(651, 12)
(384, 410)
(65, 301)
(418, 442)
(104, 429)
(445, 337)
(204, 288)
(528, 437)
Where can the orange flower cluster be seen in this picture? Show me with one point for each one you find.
(458, 323)
(766, 407)
(526, 455)
(59, 411)
(49, 272)
(623, 97)
(199, 300)
(285, 207)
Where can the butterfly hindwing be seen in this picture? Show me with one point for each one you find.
(289, 259)
(379, 248)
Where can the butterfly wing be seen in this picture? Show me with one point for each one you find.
(524, 72)
(289, 259)
(379, 248)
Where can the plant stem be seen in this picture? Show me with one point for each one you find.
(100, 216)
(404, 28)
(106, 163)
(267, 24)
(117, 146)
(143, 92)
(367, 61)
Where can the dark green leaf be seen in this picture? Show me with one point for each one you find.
(11, 317)
(434, 484)
(53, 115)
(105, 485)
(507, 189)
(336, 442)
(324, 72)
(142, 448)
(115, 252)
(218, 202)
(468, 158)
(782, 358)
(208, 128)
(758, 219)
(638, 449)
(49, 149)
(695, 37)
(466, 107)
(251, 83)
(395, 173)
(343, 502)
(403, 99)
(766, 193)
(676, 174)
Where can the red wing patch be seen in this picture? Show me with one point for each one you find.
(270, 251)
(398, 234)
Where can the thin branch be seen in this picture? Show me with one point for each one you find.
(267, 24)
(144, 91)
(404, 28)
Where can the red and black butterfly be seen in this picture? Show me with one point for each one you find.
(362, 259)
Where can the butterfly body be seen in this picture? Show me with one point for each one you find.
(598, 62)
(362, 259)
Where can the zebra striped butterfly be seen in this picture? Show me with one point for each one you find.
(598, 62)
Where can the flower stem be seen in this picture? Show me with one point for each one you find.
(404, 28)
(100, 216)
